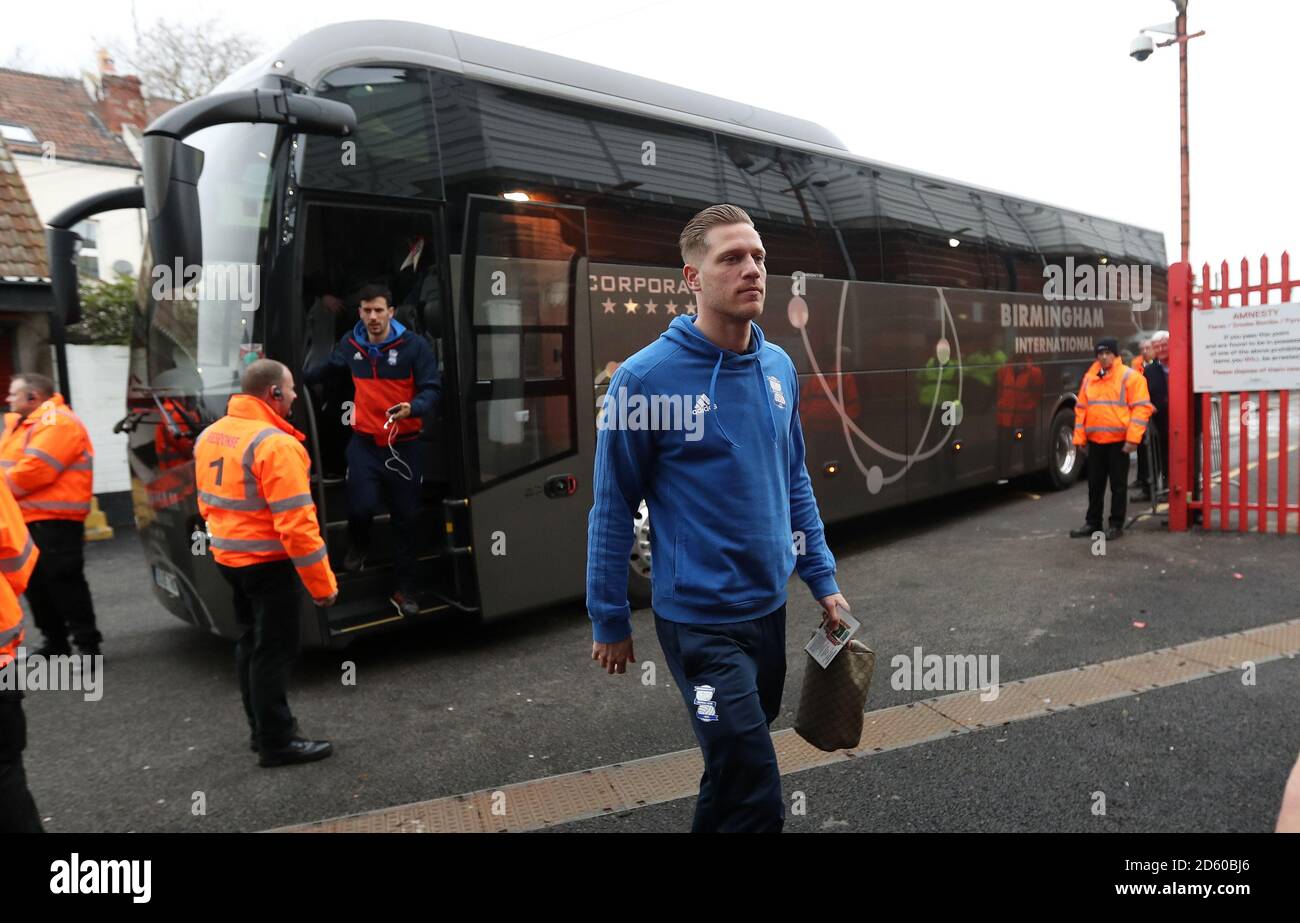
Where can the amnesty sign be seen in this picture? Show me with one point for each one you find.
(1246, 348)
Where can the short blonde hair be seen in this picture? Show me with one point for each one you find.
(694, 242)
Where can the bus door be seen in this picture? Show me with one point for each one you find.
(526, 403)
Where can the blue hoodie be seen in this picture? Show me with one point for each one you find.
(726, 491)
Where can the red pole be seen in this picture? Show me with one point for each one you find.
(1180, 394)
(1180, 27)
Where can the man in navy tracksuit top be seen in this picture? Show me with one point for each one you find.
(392, 369)
(730, 500)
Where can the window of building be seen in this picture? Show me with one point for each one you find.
(16, 133)
(88, 252)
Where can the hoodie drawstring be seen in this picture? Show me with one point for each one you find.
(713, 404)
(713, 383)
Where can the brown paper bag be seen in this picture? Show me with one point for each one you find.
(832, 702)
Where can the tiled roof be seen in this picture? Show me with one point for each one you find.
(22, 236)
(59, 109)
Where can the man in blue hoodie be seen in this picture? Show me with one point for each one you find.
(395, 376)
(731, 503)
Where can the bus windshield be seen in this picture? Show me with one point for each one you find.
(195, 345)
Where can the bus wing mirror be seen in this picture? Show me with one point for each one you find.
(61, 248)
(171, 195)
(61, 244)
(172, 168)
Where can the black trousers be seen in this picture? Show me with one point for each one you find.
(1161, 423)
(1144, 477)
(1107, 463)
(17, 809)
(267, 600)
(57, 592)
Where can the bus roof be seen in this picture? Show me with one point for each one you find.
(317, 53)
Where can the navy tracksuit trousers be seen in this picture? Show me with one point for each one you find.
(372, 485)
(731, 677)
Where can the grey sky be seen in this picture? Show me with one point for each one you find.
(1034, 97)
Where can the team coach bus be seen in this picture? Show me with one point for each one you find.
(524, 210)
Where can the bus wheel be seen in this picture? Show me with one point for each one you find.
(638, 571)
(1063, 458)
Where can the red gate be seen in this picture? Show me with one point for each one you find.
(1222, 442)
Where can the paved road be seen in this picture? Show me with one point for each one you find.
(447, 709)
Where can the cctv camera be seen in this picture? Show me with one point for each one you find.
(1141, 48)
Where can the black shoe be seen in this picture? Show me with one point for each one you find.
(1084, 531)
(1114, 532)
(49, 649)
(297, 750)
(1142, 496)
(405, 603)
(90, 650)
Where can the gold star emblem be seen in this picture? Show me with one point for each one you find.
(690, 307)
(650, 307)
(672, 307)
(631, 306)
(608, 306)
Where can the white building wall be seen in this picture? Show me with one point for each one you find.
(98, 376)
(56, 184)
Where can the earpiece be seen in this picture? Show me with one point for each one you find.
(277, 393)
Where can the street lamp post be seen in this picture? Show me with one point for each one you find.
(1141, 50)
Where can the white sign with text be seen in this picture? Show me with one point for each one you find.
(1252, 347)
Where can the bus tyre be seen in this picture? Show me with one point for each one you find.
(1064, 460)
(638, 570)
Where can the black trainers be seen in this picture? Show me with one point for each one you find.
(1084, 531)
(49, 649)
(1113, 532)
(405, 603)
(296, 750)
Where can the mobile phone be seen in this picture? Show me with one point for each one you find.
(392, 410)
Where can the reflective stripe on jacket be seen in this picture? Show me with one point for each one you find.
(1113, 407)
(18, 556)
(48, 462)
(251, 471)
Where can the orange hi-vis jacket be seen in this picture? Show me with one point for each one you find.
(252, 476)
(17, 559)
(1114, 407)
(1138, 363)
(48, 462)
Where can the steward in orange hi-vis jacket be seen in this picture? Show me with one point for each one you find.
(1110, 418)
(18, 556)
(48, 465)
(251, 472)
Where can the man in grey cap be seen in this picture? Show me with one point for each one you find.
(1110, 417)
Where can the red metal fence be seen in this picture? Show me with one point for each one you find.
(1233, 459)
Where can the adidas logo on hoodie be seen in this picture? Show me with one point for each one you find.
(702, 405)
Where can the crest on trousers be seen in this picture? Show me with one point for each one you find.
(777, 394)
(705, 708)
